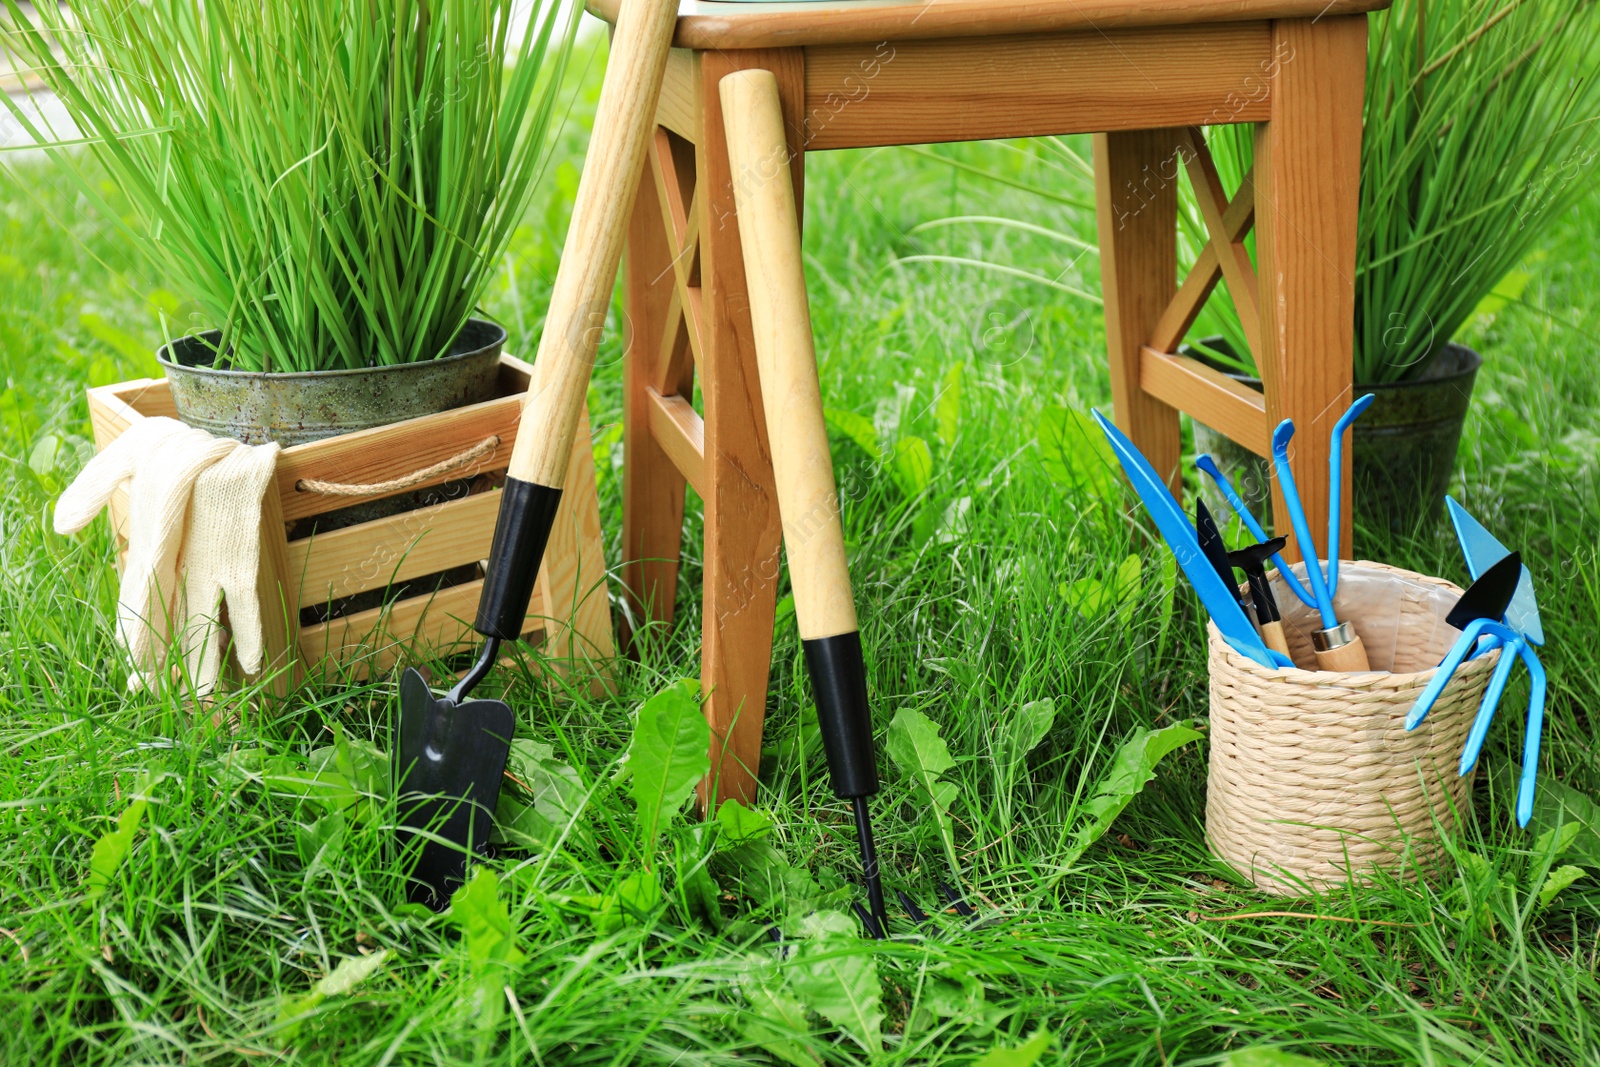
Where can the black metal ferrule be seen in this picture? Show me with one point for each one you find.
(527, 512)
(839, 683)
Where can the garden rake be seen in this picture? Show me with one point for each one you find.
(451, 752)
(808, 500)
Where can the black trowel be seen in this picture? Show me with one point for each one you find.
(452, 757)
(451, 752)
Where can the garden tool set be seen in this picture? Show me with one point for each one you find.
(1336, 644)
(1498, 611)
(451, 752)
(808, 500)
(1514, 629)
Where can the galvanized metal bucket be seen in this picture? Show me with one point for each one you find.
(295, 408)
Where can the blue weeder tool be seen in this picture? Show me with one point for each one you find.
(1518, 633)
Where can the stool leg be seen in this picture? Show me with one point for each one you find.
(1308, 169)
(1136, 198)
(652, 486)
(743, 533)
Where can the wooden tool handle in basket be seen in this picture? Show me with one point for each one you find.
(1273, 637)
(624, 119)
(808, 500)
(1350, 658)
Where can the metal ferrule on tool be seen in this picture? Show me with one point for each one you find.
(839, 681)
(527, 512)
(1333, 637)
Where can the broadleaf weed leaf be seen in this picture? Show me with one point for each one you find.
(669, 753)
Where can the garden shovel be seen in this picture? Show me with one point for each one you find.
(451, 752)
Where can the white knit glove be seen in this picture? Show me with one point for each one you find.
(90, 491)
(221, 557)
(148, 608)
(163, 463)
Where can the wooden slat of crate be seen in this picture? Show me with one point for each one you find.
(397, 548)
(113, 407)
(396, 450)
(364, 456)
(378, 638)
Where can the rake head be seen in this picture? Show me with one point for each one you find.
(874, 917)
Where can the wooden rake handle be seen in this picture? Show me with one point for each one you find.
(824, 606)
(769, 231)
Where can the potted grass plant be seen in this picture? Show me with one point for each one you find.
(329, 183)
(1480, 129)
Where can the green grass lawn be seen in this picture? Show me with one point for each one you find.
(205, 942)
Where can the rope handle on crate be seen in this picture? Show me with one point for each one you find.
(405, 481)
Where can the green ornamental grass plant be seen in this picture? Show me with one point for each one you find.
(1481, 128)
(1482, 125)
(330, 181)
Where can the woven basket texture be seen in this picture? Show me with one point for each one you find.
(1314, 780)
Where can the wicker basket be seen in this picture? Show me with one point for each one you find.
(1314, 780)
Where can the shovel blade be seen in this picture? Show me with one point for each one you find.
(450, 759)
(1490, 595)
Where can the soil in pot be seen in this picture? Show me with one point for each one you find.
(1403, 449)
(297, 408)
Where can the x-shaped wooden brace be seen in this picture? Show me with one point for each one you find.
(674, 423)
(1241, 411)
(1224, 255)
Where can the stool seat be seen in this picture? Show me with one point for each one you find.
(712, 24)
(1146, 78)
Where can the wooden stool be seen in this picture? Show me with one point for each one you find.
(1143, 76)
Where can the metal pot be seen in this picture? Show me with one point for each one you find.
(1403, 449)
(298, 407)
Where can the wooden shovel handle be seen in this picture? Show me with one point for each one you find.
(769, 230)
(624, 119)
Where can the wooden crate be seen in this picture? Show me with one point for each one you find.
(569, 611)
